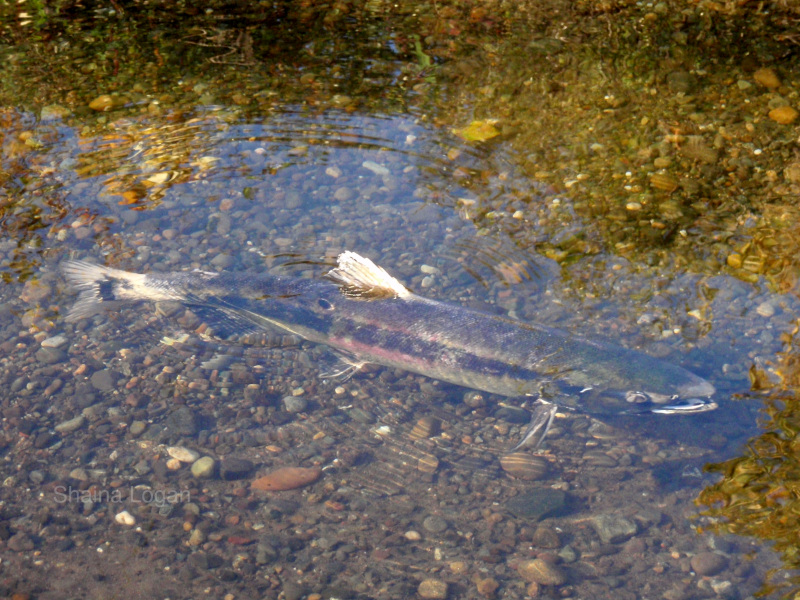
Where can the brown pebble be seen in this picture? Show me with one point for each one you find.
(524, 466)
(102, 103)
(532, 590)
(708, 563)
(664, 181)
(433, 589)
(541, 572)
(287, 478)
(635, 546)
(783, 115)
(768, 78)
(545, 537)
(487, 587)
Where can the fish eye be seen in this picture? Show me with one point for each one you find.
(324, 304)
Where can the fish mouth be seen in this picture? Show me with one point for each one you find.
(687, 406)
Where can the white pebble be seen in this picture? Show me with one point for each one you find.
(125, 518)
(412, 535)
(54, 342)
(765, 309)
(183, 454)
(375, 167)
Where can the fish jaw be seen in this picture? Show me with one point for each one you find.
(688, 406)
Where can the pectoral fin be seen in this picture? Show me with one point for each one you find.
(541, 419)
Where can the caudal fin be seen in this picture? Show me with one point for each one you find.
(99, 285)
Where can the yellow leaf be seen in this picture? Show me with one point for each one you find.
(478, 131)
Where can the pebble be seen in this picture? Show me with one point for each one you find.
(104, 380)
(413, 536)
(79, 474)
(541, 572)
(295, 404)
(487, 587)
(173, 464)
(197, 537)
(768, 78)
(612, 529)
(71, 425)
(54, 111)
(375, 167)
(343, 194)
(183, 454)
(49, 356)
(765, 309)
(536, 504)
(137, 428)
(783, 115)
(235, 468)
(546, 537)
(434, 524)
(20, 542)
(102, 103)
(125, 518)
(287, 478)
(524, 465)
(54, 342)
(203, 468)
(182, 421)
(433, 589)
(708, 563)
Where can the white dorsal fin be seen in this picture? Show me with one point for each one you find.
(359, 277)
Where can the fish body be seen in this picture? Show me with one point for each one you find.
(367, 316)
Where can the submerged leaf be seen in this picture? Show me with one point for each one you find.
(478, 131)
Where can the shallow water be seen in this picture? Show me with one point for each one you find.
(549, 214)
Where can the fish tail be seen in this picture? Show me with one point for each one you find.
(100, 286)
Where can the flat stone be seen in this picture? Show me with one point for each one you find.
(104, 380)
(54, 342)
(434, 524)
(71, 425)
(612, 529)
(536, 504)
(375, 167)
(183, 454)
(182, 421)
(541, 572)
(708, 563)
